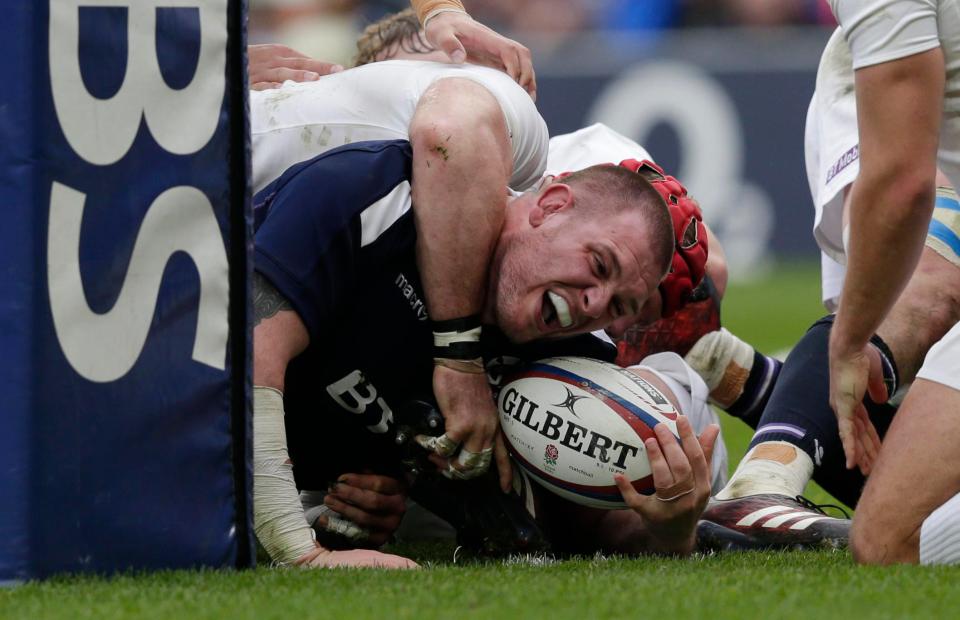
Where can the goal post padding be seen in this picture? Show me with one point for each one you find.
(124, 422)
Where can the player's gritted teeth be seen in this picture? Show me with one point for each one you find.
(556, 311)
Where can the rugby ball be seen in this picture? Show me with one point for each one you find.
(574, 422)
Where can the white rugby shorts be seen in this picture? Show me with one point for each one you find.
(942, 363)
(831, 145)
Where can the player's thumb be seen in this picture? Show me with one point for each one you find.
(452, 47)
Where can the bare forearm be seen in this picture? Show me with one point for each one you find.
(885, 244)
(898, 110)
(461, 170)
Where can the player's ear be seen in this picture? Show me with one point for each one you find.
(553, 198)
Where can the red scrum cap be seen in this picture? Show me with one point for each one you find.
(690, 235)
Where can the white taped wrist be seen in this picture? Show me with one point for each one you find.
(278, 518)
(724, 362)
(435, 12)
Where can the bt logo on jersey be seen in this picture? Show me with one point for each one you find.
(355, 394)
(104, 346)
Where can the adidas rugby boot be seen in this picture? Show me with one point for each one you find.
(769, 521)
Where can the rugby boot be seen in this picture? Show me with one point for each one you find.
(769, 521)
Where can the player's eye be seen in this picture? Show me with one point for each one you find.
(600, 266)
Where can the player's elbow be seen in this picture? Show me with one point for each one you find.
(457, 120)
(908, 192)
(918, 195)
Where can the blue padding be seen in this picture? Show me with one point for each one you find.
(149, 470)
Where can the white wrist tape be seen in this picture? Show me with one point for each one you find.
(435, 12)
(278, 518)
(314, 508)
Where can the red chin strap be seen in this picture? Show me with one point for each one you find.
(690, 236)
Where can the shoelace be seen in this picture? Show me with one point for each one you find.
(806, 503)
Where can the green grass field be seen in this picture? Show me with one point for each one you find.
(772, 314)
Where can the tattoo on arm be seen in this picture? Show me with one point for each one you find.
(267, 300)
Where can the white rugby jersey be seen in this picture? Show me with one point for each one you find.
(596, 144)
(879, 31)
(376, 102)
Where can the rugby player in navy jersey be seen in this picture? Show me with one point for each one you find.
(474, 132)
(342, 336)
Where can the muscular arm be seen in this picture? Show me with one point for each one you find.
(898, 107)
(461, 165)
(278, 334)
(278, 337)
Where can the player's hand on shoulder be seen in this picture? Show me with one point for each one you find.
(366, 508)
(681, 477)
(461, 38)
(352, 558)
(270, 65)
(472, 439)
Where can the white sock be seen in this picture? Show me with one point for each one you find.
(940, 534)
(770, 467)
(723, 361)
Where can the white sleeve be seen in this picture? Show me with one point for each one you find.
(377, 102)
(883, 30)
(529, 138)
(596, 144)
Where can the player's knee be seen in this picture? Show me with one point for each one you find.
(862, 545)
(875, 542)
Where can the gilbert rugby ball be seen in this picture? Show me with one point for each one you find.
(574, 422)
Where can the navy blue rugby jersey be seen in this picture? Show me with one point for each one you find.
(335, 235)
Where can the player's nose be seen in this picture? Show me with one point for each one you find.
(594, 301)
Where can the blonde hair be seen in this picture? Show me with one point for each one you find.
(382, 38)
